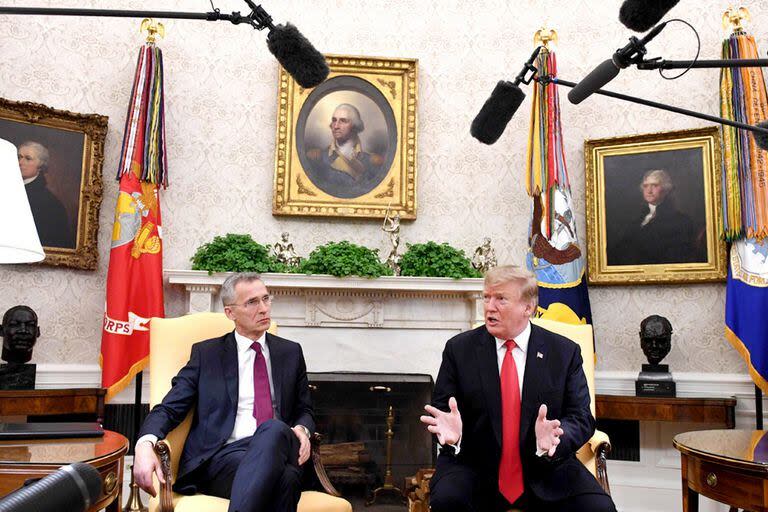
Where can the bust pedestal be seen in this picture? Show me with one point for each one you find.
(655, 380)
(17, 376)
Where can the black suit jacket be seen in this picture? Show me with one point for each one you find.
(209, 384)
(553, 376)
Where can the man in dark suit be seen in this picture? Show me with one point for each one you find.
(507, 378)
(253, 417)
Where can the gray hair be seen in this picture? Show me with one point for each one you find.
(42, 153)
(357, 121)
(228, 288)
(664, 180)
(525, 281)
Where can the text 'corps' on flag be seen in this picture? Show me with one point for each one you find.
(135, 276)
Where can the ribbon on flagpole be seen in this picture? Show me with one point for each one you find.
(554, 254)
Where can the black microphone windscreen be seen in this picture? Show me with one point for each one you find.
(297, 55)
(761, 139)
(73, 488)
(599, 76)
(641, 15)
(490, 122)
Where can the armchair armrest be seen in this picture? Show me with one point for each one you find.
(328, 487)
(163, 451)
(598, 438)
(601, 446)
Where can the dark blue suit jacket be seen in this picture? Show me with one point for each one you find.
(553, 376)
(209, 384)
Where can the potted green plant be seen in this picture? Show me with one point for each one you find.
(436, 260)
(342, 259)
(236, 253)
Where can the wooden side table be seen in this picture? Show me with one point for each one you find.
(44, 402)
(706, 410)
(729, 466)
(24, 459)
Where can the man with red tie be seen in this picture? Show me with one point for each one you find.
(510, 408)
(252, 415)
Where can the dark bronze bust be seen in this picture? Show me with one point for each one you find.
(655, 338)
(656, 341)
(20, 332)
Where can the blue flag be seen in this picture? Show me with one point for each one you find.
(746, 306)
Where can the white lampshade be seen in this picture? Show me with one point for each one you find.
(19, 242)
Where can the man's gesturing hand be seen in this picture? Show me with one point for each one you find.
(548, 432)
(145, 462)
(446, 425)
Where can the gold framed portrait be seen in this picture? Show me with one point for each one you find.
(653, 208)
(60, 156)
(347, 148)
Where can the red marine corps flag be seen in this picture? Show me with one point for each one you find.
(135, 276)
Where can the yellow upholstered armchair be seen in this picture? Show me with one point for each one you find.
(171, 343)
(593, 454)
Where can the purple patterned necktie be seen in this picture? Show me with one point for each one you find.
(262, 399)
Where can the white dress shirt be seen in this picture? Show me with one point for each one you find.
(519, 353)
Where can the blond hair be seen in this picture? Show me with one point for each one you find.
(524, 280)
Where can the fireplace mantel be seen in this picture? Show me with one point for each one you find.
(342, 322)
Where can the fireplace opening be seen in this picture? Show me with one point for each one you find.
(357, 414)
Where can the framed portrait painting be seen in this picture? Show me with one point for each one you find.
(60, 158)
(653, 208)
(347, 148)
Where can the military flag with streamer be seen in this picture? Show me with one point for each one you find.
(745, 208)
(135, 275)
(554, 254)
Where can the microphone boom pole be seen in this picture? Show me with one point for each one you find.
(701, 64)
(660, 106)
(235, 17)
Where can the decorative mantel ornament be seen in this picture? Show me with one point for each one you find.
(484, 258)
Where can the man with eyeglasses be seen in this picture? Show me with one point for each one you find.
(253, 416)
(510, 408)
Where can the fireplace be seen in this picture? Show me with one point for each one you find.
(351, 412)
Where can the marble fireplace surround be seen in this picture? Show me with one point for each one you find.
(388, 324)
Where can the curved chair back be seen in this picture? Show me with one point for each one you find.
(170, 344)
(581, 334)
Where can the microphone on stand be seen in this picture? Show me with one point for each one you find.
(504, 101)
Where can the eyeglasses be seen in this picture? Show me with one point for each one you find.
(254, 303)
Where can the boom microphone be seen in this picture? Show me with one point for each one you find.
(641, 15)
(297, 55)
(73, 488)
(291, 49)
(504, 101)
(632, 53)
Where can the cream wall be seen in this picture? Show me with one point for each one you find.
(221, 84)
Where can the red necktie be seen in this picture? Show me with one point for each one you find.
(510, 466)
(262, 398)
